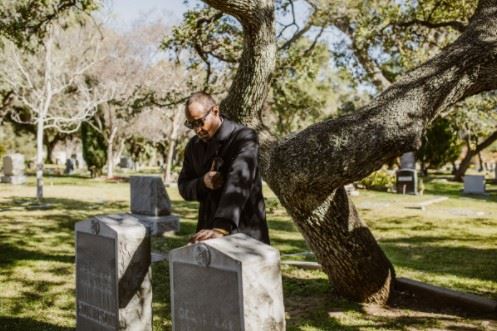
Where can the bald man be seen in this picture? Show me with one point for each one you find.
(221, 171)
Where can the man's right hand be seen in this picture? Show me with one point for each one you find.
(213, 179)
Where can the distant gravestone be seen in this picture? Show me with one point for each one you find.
(148, 196)
(474, 184)
(125, 163)
(229, 283)
(60, 157)
(407, 181)
(408, 161)
(13, 169)
(113, 277)
(69, 167)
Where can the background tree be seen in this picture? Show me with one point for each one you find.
(441, 145)
(51, 84)
(308, 170)
(94, 149)
(478, 128)
(136, 69)
(25, 23)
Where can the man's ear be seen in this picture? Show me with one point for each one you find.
(216, 111)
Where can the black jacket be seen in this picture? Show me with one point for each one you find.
(238, 206)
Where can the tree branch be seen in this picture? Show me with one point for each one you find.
(456, 25)
(333, 153)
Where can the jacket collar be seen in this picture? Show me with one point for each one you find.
(224, 131)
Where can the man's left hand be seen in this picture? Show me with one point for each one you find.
(204, 235)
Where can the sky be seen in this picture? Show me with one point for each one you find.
(122, 13)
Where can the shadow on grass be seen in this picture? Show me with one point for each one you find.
(12, 254)
(423, 254)
(310, 303)
(25, 324)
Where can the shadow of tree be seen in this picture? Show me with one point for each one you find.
(423, 253)
(24, 324)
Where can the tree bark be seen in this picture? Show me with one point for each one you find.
(39, 156)
(110, 153)
(307, 171)
(465, 163)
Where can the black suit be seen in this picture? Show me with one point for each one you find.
(238, 206)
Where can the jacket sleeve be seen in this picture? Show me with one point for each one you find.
(191, 187)
(239, 180)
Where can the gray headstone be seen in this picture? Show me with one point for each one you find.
(13, 165)
(229, 283)
(474, 184)
(149, 196)
(13, 169)
(407, 181)
(408, 160)
(125, 163)
(69, 167)
(113, 275)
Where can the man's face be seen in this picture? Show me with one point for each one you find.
(205, 121)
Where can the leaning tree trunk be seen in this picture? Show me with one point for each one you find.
(307, 171)
(466, 161)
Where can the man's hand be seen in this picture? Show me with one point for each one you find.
(204, 235)
(213, 179)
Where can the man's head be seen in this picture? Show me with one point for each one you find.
(202, 115)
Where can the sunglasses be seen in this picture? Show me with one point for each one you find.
(196, 123)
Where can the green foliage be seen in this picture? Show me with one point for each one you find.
(13, 140)
(26, 21)
(301, 88)
(94, 149)
(441, 144)
(380, 180)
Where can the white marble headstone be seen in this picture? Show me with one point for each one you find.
(474, 184)
(13, 165)
(230, 283)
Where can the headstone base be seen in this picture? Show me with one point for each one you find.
(15, 180)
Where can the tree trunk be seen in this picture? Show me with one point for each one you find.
(169, 162)
(173, 138)
(308, 170)
(110, 153)
(39, 157)
(465, 163)
(50, 144)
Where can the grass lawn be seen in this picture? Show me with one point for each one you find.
(452, 243)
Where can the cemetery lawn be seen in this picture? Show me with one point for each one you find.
(452, 243)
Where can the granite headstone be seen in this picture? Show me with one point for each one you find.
(408, 160)
(407, 181)
(229, 283)
(113, 274)
(151, 205)
(149, 196)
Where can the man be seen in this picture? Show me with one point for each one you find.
(220, 170)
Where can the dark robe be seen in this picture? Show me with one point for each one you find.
(238, 206)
